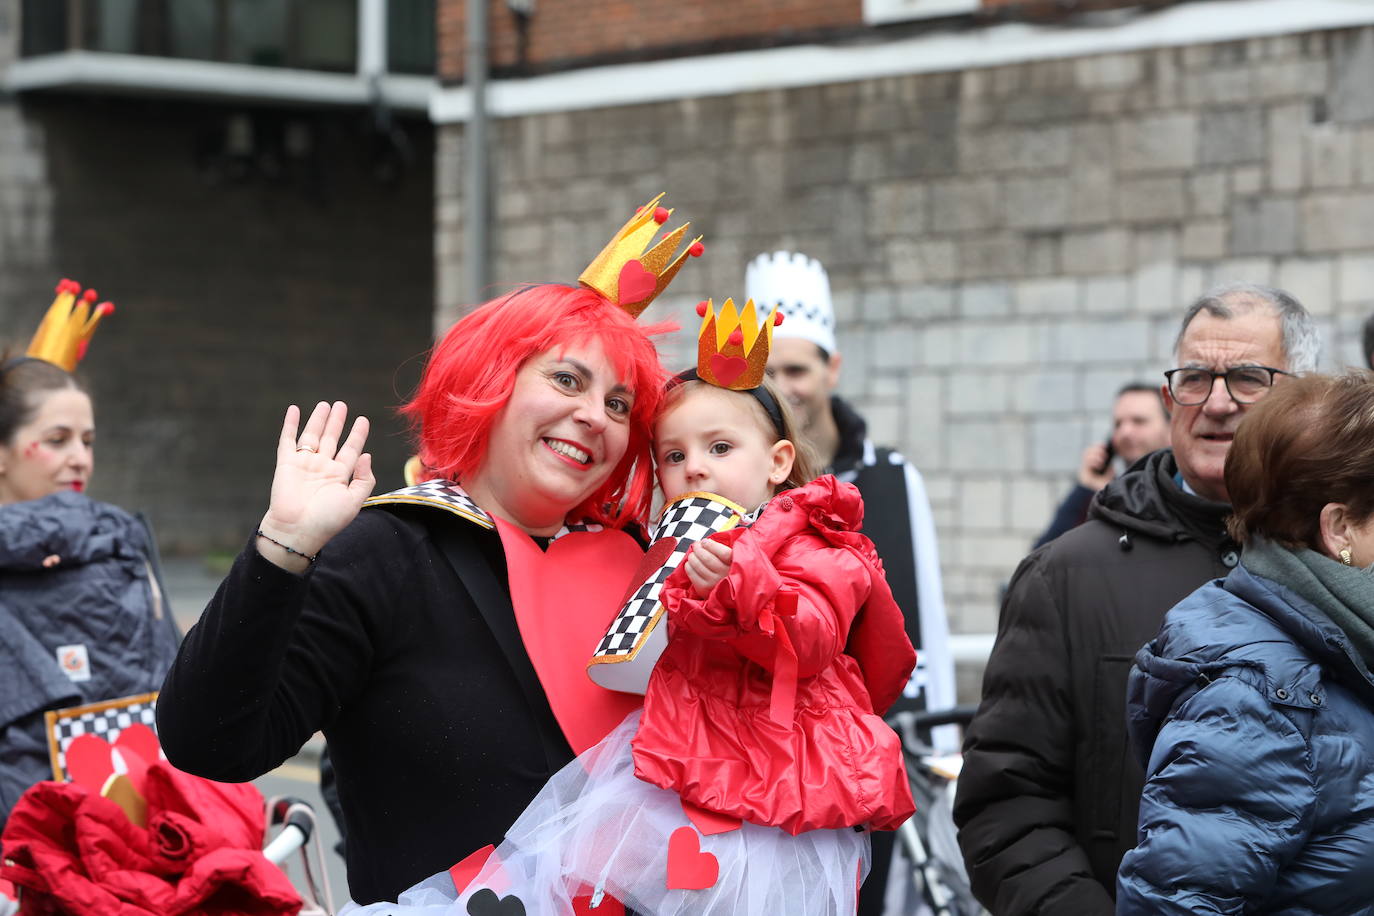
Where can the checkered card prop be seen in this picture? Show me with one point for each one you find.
(104, 720)
(634, 642)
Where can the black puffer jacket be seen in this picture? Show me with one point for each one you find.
(1049, 794)
(101, 596)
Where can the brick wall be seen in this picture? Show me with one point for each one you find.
(235, 296)
(572, 31)
(1007, 246)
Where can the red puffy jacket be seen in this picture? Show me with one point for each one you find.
(71, 851)
(711, 730)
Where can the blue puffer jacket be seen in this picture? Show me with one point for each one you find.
(101, 596)
(1255, 720)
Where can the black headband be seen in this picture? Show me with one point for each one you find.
(761, 394)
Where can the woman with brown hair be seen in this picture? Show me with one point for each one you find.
(1253, 709)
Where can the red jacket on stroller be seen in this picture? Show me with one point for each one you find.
(69, 850)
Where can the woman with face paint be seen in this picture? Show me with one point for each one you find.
(438, 635)
(1253, 709)
(82, 618)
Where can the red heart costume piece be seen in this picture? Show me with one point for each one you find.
(564, 600)
(90, 762)
(140, 739)
(636, 283)
(727, 368)
(688, 867)
(709, 822)
(609, 906)
(463, 872)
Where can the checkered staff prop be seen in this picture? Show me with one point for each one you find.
(105, 721)
(631, 647)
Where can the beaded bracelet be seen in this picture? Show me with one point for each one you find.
(273, 540)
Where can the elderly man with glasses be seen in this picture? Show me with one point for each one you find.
(1048, 798)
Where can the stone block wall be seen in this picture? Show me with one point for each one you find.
(1007, 246)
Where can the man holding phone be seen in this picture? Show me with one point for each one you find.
(1140, 425)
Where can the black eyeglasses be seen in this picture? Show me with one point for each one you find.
(1245, 384)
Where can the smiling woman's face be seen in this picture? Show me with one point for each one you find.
(559, 437)
(53, 451)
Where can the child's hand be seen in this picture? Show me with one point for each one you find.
(51, 560)
(706, 564)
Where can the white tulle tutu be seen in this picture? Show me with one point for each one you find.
(595, 827)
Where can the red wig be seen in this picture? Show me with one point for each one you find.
(471, 374)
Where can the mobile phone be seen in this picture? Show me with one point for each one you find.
(1111, 453)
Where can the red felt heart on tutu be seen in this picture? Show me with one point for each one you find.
(90, 762)
(727, 368)
(636, 283)
(688, 867)
(609, 906)
(709, 822)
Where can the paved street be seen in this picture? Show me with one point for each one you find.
(189, 587)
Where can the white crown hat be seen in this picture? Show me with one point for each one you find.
(800, 289)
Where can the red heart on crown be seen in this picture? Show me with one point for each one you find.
(636, 283)
(727, 368)
(688, 867)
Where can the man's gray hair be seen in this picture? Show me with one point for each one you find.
(1301, 342)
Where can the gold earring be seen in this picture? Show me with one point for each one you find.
(1345, 555)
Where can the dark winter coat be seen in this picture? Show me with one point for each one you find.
(1048, 797)
(101, 596)
(1255, 721)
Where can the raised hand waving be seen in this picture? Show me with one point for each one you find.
(318, 487)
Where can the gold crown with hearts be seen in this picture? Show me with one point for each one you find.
(65, 332)
(733, 345)
(631, 277)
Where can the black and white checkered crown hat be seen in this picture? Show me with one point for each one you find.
(800, 288)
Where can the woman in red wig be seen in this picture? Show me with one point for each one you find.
(439, 636)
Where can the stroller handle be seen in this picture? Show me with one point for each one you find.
(299, 820)
(923, 719)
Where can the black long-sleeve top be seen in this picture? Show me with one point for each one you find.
(382, 645)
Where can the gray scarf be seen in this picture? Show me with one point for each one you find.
(1343, 593)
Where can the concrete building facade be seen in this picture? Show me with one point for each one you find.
(1014, 201)
(1012, 219)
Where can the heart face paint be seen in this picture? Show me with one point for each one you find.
(53, 451)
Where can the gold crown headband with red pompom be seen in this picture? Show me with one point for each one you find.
(65, 332)
(732, 352)
(631, 277)
(624, 274)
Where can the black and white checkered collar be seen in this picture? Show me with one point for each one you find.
(449, 496)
